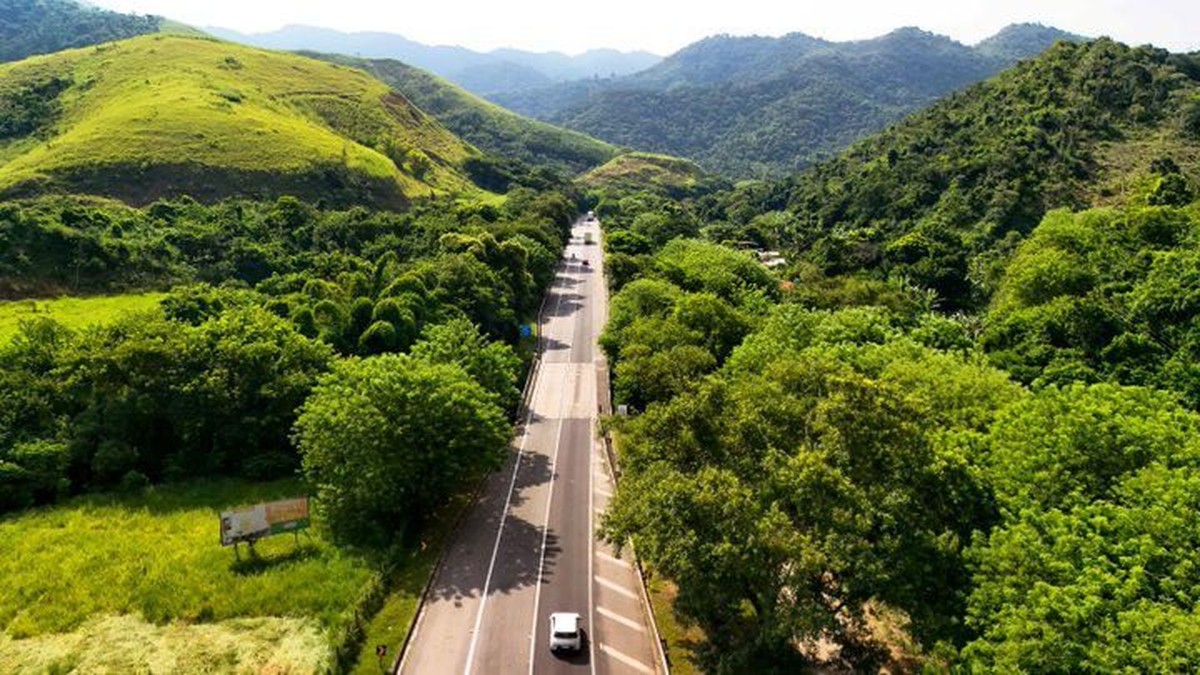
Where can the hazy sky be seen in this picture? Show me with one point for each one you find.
(662, 26)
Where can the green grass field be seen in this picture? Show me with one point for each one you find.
(173, 113)
(139, 583)
(73, 312)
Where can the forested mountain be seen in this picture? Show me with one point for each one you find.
(749, 106)
(942, 197)
(161, 116)
(29, 27)
(1020, 41)
(484, 124)
(960, 430)
(482, 73)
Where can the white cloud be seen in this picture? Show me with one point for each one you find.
(664, 26)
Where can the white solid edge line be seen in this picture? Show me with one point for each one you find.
(503, 518)
(612, 585)
(626, 659)
(629, 623)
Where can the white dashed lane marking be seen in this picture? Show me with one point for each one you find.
(629, 623)
(626, 659)
(614, 586)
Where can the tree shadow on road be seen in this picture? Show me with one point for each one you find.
(565, 304)
(517, 565)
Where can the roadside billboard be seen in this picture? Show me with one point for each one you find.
(251, 523)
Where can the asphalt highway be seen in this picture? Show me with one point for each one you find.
(527, 548)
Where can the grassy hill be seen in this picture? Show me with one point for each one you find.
(29, 27)
(485, 124)
(166, 115)
(634, 171)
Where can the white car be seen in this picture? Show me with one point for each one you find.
(566, 633)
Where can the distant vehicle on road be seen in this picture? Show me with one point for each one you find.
(587, 237)
(566, 634)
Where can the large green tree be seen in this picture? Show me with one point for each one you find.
(1094, 567)
(384, 440)
(825, 438)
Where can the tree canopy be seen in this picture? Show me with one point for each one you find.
(386, 439)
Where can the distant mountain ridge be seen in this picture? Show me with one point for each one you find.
(749, 106)
(479, 72)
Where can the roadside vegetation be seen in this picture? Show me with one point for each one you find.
(979, 455)
(285, 322)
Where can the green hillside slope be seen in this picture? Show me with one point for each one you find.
(665, 175)
(166, 115)
(941, 198)
(485, 124)
(29, 27)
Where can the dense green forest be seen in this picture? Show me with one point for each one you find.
(944, 197)
(29, 27)
(754, 106)
(275, 307)
(960, 428)
(812, 457)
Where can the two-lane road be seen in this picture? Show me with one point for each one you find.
(528, 547)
